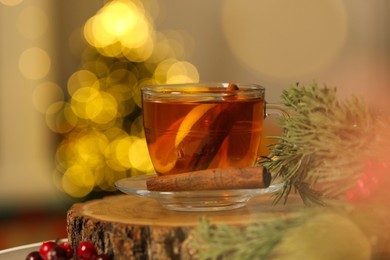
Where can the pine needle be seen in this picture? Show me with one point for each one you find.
(323, 145)
(321, 155)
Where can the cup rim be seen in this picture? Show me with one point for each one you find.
(206, 92)
(212, 88)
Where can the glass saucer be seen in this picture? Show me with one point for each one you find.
(210, 200)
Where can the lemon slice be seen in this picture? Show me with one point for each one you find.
(164, 155)
(166, 159)
(188, 122)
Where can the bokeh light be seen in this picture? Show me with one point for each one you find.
(60, 117)
(34, 63)
(100, 121)
(121, 28)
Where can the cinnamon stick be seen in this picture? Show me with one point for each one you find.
(210, 145)
(212, 179)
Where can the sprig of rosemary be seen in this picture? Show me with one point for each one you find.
(322, 150)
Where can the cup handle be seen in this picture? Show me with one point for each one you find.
(272, 111)
(275, 107)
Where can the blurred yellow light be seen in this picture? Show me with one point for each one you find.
(160, 73)
(138, 36)
(174, 71)
(81, 78)
(121, 92)
(107, 106)
(94, 106)
(112, 50)
(78, 181)
(90, 147)
(142, 83)
(139, 155)
(100, 36)
(118, 17)
(86, 102)
(112, 160)
(34, 63)
(141, 53)
(177, 79)
(120, 22)
(59, 117)
(103, 138)
(69, 115)
(115, 132)
(182, 72)
(88, 32)
(122, 150)
(65, 154)
(119, 75)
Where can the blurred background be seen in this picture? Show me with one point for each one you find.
(70, 74)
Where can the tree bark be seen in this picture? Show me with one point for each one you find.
(131, 227)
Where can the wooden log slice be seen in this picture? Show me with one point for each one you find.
(131, 227)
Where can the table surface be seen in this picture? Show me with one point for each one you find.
(134, 210)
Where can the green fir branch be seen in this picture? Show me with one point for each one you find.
(321, 155)
(323, 147)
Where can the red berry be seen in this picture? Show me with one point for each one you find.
(86, 250)
(68, 248)
(45, 248)
(57, 253)
(34, 256)
(369, 181)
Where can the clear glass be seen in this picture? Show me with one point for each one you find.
(209, 200)
(195, 126)
(192, 127)
(200, 92)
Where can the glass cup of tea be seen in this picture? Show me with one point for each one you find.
(200, 126)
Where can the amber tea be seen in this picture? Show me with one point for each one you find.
(196, 127)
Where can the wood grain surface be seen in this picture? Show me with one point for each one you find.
(131, 227)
